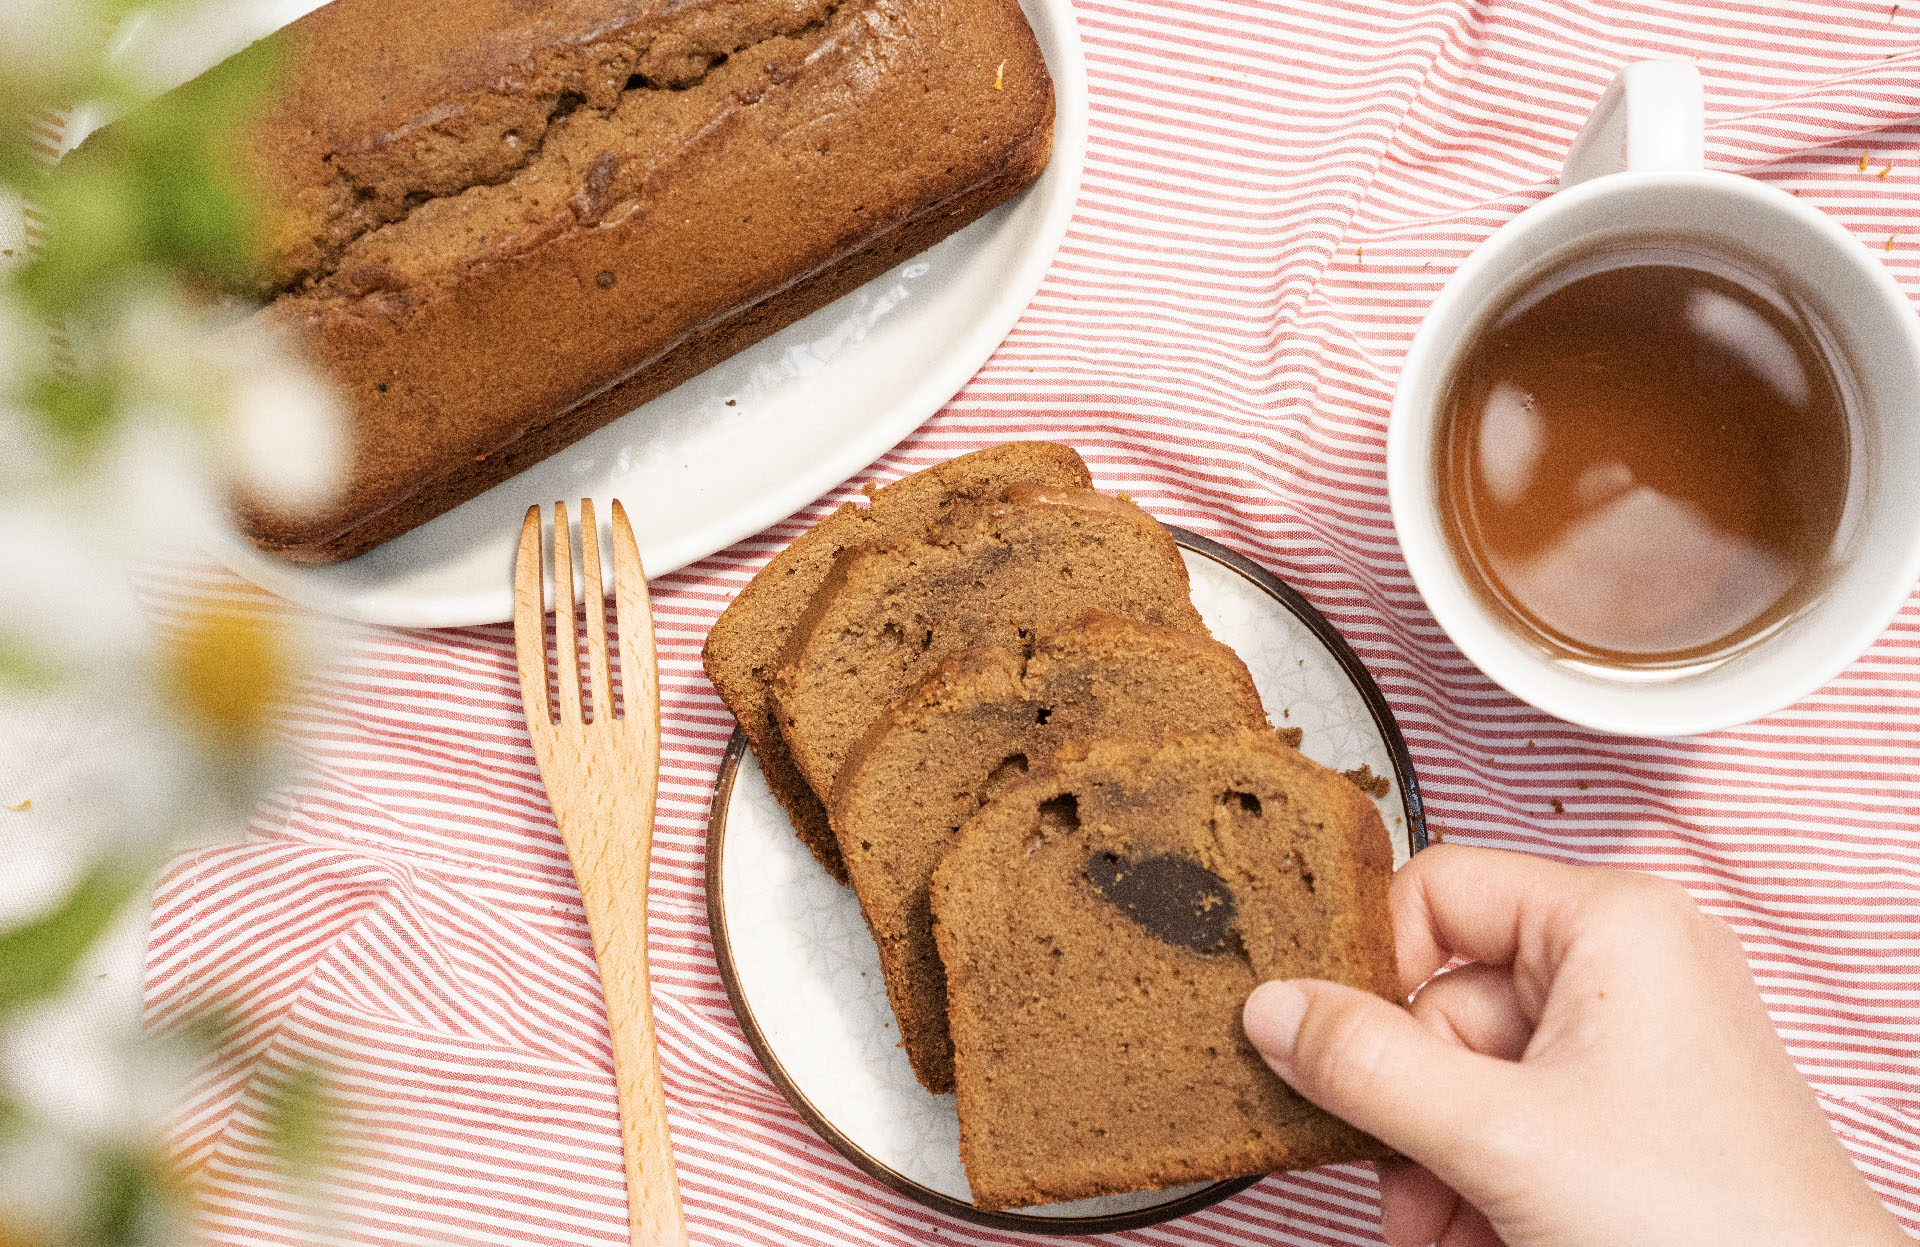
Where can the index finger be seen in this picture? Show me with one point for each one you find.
(1487, 905)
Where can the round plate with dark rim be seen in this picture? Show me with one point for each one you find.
(804, 979)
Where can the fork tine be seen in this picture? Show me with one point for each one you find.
(530, 623)
(601, 679)
(566, 638)
(639, 664)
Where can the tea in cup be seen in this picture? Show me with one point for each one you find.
(1654, 451)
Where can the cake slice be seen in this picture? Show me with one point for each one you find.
(749, 636)
(994, 573)
(1101, 922)
(977, 722)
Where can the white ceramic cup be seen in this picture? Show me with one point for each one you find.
(1636, 171)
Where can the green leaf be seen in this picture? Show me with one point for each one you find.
(299, 1120)
(206, 1028)
(200, 219)
(21, 168)
(23, 669)
(94, 217)
(159, 188)
(74, 409)
(137, 1199)
(37, 959)
(122, 1189)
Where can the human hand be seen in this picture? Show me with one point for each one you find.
(1603, 1073)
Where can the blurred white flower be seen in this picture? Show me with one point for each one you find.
(49, 1179)
(40, 38)
(159, 342)
(138, 707)
(286, 436)
(153, 474)
(24, 454)
(277, 430)
(80, 1058)
(66, 605)
(160, 46)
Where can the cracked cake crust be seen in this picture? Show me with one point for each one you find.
(498, 224)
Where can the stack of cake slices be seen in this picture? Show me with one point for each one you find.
(987, 702)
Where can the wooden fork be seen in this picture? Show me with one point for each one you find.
(601, 778)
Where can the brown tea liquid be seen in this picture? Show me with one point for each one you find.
(1644, 459)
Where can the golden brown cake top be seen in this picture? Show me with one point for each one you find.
(388, 104)
(494, 223)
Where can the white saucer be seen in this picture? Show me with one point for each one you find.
(800, 967)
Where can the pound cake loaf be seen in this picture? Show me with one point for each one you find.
(747, 640)
(498, 224)
(992, 573)
(1102, 921)
(980, 720)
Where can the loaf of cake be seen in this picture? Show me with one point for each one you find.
(978, 721)
(747, 640)
(1102, 920)
(991, 573)
(498, 224)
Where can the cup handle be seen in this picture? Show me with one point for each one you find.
(1652, 119)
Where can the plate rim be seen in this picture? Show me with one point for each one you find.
(895, 420)
(1344, 654)
(1106, 1223)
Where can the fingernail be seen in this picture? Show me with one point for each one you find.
(1272, 1018)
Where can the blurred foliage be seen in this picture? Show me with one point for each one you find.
(154, 197)
(151, 205)
(38, 957)
(22, 670)
(156, 189)
(300, 1122)
(140, 1197)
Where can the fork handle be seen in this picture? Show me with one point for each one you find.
(610, 863)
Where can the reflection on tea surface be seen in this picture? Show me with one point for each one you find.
(1644, 459)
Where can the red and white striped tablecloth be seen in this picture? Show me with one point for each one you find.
(1275, 190)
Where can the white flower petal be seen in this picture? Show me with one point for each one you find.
(38, 36)
(66, 596)
(289, 439)
(49, 1184)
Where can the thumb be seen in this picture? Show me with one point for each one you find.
(1372, 1064)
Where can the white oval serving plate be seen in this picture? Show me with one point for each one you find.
(800, 967)
(746, 443)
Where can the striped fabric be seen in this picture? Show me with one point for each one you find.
(1274, 192)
